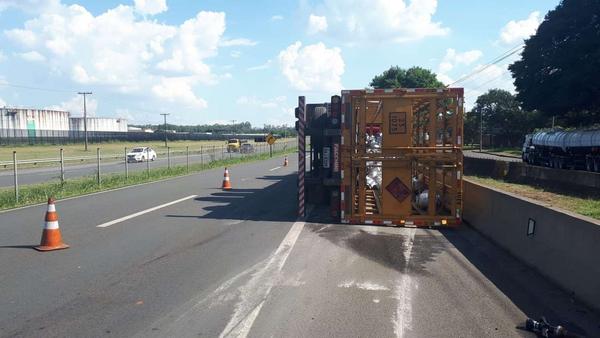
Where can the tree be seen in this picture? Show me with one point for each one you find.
(415, 77)
(560, 65)
(503, 118)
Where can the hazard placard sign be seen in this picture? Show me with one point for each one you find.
(398, 189)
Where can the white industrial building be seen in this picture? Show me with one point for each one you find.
(33, 120)
(98, 124)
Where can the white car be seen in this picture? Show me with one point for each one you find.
(141, 154)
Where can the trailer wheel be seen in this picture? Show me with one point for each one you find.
(597, 165)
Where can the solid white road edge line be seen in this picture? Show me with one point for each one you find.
(255, 292)
(119, 220)
(275, 168)
(403, 291)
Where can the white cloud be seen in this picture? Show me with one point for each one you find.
(316, 24)
(261, 67)
(74, 105)
(452, 59)
(235, 54)
(127, 52)
(517, 31)
(313, 67)
(381, 20)
(32, 56)
(179, 90)
(196, 40)
(151, 7)
(30, 6)
(274, 110)
(253, 101)
(494, 76)
(25, 37)
(276, 18)
(237, 42)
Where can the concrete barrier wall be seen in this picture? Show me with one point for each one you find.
(580, 181)
(564, 247)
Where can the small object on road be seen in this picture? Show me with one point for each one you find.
(51, 238)
(543, 329)
(226, 181)
(285, 162)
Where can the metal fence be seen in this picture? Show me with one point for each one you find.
(180, 157)
(25, 136)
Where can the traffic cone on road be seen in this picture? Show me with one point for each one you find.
(51, 238)
(226, 181)
(285, 162)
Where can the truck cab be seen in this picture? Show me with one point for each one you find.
(233, 145)
(527, 146)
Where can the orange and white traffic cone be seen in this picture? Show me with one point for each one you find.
(285, 162)
(51, 238)
(226, 181)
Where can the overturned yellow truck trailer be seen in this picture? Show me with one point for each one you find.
(384, 156)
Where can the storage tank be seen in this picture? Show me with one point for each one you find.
(99, 124)
(33, 119)
(23, 122)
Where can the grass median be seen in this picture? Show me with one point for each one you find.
(38, 193)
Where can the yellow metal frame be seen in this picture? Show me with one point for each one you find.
(426, 144)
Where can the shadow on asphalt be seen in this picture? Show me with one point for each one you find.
(533, 294)
(275, 203)
(18, 246)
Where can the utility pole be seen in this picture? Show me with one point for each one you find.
(481, 131)
(165, 116)
(85, 117)
(232, 126)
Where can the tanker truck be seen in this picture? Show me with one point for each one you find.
(577, 149)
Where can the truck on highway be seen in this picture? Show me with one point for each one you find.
(233, 145)
(560, 149)
(390, 156)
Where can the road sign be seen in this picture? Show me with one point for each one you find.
(270, 139)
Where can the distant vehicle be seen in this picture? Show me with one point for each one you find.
(577, 149)
(141, 154)
(233, 145)
(246, 148)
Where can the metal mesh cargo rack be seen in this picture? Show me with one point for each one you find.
(401, 157)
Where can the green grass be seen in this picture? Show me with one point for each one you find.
(38, 193)
(587, 206)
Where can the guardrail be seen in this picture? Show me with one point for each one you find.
(206, 155)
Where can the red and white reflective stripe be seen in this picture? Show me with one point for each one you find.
(387, 222)
(342, 196)
(301, 154)
(51, 225)
(341, 174)
(368, 221)
(458, 174)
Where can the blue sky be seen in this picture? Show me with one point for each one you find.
(216, 60)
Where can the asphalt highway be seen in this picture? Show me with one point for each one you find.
(490, 156)
(181, 258)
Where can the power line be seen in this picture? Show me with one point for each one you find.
(500, 58)
(7, 84)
